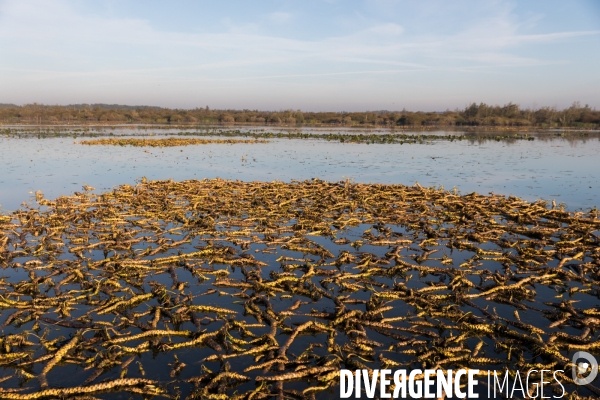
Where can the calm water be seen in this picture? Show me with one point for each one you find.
(561, 169)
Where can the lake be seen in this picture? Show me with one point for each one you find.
(551, 167)
(267, 280)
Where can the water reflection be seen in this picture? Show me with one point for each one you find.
(552, 167)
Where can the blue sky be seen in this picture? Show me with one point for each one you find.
(310, 55)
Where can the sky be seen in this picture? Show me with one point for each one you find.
(313, 55)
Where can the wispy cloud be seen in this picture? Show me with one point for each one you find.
(46, 41)
(43, 28)
(279, 17)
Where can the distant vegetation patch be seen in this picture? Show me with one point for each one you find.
(509, 115)
(170, 142)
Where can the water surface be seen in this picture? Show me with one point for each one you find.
(552, 168)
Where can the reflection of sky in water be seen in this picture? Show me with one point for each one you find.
(559, 169)
(555, 169)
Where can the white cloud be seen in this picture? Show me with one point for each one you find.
(53, 28)
(387, 29)
(279, 17)
(52, 42)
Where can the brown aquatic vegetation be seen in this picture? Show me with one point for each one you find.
(168, 142)
(270, 287)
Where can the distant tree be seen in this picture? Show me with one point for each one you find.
(474, 114)
(133, 115)
(226, 119)
(299, 116)
(175, 118)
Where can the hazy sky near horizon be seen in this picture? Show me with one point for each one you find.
(310, 55)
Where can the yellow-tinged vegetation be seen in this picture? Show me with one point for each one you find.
(218, 283)
(168, 142)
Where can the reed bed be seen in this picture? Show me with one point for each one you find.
(168, 142)
(251, 290)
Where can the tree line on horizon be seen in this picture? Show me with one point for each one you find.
(508, 115)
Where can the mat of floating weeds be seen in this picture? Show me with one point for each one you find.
(221, 288)
(345, 136)
(169, 142)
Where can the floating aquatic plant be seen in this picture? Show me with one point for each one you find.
(168, 142)
(252, 290)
